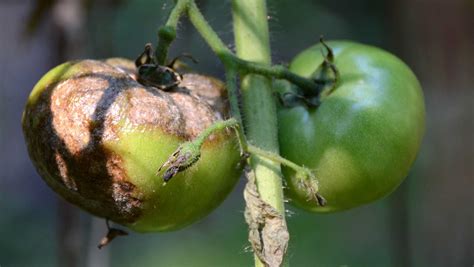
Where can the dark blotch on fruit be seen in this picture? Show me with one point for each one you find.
(84, 107)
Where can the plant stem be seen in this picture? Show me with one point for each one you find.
(226, 56)
(252, 43)
(279, 159)
(233, 96)
(279, 72)
(251, 37)
(244, 66)
(253, 51)
(217, 126)
(210, 36)
(167, 33)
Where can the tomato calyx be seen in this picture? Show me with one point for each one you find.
(150, 73)
(308, 183)
(188, 153)
(291, 98)
(326, 77)
(184, 157)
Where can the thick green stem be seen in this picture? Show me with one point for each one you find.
(252, 43)
(253, 57)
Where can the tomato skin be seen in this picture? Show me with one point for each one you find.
(363, 138)
(97, 137)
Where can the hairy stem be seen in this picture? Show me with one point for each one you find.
(277, 158)
(233, 95)
(253, 63)
(167, 33)
(243, 65)
(217, 126)
(226, 56)
(251, 34)
(252, 43)
(279, 72)
(210, 36)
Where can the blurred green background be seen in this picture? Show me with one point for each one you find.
(428, 221)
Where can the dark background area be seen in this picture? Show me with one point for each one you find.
(428, 221)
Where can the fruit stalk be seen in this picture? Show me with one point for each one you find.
(226, 56)
(167, 33)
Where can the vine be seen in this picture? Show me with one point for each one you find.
(264, 194)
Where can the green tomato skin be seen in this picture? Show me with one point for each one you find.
(191, 194)
(364, 137)
(116, 177)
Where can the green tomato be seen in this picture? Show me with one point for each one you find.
(97, 137)
(363, 138)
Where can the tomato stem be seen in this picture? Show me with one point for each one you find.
(252, 44)
(253, 63)
(233, 95)
(279, 72)
(215, 127)
(216, 44)
(279, 159)
(167, 33)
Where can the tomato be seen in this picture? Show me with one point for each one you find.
(364, 136)
(97, 137)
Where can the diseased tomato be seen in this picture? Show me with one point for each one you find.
(97, 137)
(364, 137)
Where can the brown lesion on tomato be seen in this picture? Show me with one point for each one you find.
(123, 64)
(126, 196)
(68, 127)
(210, 89)
(184, 111)
(66, 130)
(204, 87)
(93, 180)
(96, 181)
(67, 180)
(195, 114)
